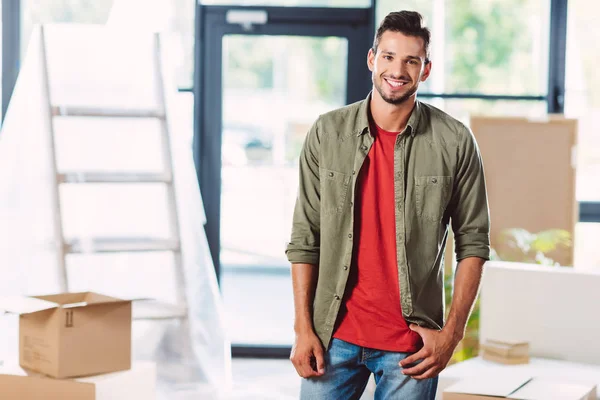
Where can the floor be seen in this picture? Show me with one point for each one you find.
(265, 379)
(256, 379)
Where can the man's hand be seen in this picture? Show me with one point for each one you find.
(307, 355)
(437, 350)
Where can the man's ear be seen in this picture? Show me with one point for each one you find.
(426, 72)
(371, 60)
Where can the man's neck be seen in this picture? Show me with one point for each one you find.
(391, 117)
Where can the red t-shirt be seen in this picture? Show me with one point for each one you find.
(371, 315)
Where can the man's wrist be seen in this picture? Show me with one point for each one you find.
(303, 327)
(455, 332)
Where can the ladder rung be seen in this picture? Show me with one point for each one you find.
(116, 245)
(153, 309)
(74, 111)
(113, 177)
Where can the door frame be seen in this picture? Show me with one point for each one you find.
(356, 25)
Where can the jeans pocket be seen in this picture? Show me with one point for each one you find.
(334, 190)
(432, 196)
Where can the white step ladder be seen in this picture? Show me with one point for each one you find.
(142, 309)
(73, 220)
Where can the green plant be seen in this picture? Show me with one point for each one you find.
(518, 244)
(469, 346)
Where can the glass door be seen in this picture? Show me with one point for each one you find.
(273, 89)
(263, 89)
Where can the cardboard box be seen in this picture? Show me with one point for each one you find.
(72, 334)
(138, 383)
(507, 349)
(540, 388)
(504, 360)
(519, 387)
(505, 352)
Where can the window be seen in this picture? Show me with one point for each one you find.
(173, 17)
(462, 109)
(484, 46)
(273, 89)
(44, 12)
(583, 93)
(583, 102)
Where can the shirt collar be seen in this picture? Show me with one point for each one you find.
(363, 117)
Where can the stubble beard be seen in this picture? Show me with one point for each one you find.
(394, 100)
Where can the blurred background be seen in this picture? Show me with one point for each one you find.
(249, 79)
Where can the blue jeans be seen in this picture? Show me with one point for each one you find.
(347, 371)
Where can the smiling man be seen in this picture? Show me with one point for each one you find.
(381, 182)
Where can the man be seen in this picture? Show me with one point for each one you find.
(380, 182)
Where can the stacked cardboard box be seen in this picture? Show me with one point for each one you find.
(519, 387)
(72, 346)
(137, 383)
(505, 352)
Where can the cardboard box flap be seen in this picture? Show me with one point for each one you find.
(95, 298)
(506, 343)
(497, 386)
(63, 298)
(75, 305)
(24, 304)
(91, 304)
(540, 388)
(73, 300)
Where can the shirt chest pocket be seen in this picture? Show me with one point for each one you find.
(432, 196)
(334, 191)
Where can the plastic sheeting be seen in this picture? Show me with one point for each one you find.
(95, 66)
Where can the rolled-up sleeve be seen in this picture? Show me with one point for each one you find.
(304, 246)
(470, 214)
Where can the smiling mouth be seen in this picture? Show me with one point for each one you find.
(395, 84)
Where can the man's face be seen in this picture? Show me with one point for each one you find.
(398, 66)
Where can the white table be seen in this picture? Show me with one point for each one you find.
(537, 367)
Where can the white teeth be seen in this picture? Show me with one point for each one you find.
(395, 84)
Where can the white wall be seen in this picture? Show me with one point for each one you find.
(556, 309)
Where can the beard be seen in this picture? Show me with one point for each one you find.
(394, 100)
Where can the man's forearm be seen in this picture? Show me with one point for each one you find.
(304, 281)
(466, 286)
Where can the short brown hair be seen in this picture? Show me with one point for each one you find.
(409, 23)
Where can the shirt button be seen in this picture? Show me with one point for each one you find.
(364, 147)
(345, 267)
(434, 180)
(353, 172)
(337, 297)
(331, 174)
(350, 235)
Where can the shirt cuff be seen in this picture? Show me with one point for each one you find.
(302, 254)
(472, 245)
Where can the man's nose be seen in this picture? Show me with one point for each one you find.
(399, 69)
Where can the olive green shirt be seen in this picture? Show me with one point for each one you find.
(438, 180)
